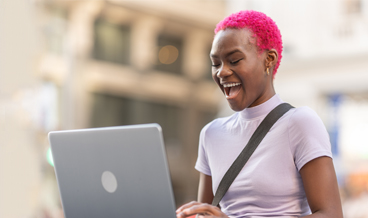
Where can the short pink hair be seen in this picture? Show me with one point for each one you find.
(266, 32)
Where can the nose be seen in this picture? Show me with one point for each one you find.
(223, 72)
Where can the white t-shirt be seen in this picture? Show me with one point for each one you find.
(269, 185)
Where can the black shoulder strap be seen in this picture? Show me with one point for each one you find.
(248, 150)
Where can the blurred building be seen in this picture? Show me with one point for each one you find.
(115, 63)
(102, 63)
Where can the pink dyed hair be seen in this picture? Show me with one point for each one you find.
(266, 32)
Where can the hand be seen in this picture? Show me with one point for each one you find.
(203, 210)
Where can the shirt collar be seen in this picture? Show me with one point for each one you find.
(262, 109)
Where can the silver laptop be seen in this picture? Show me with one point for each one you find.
(115, 172)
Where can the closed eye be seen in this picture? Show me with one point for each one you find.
(235, 62)
(215, 65)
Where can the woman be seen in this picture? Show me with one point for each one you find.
(291, 173)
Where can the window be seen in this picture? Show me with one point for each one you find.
(169, 54)
(110, 110)
(111, 42)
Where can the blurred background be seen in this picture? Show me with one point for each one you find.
(82, 64)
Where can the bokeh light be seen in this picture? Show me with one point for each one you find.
(168, 54)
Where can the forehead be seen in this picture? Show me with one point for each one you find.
(230, 39)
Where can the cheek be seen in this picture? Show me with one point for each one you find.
(253, 81)
(214, 76)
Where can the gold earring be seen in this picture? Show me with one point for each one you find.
(268, 72)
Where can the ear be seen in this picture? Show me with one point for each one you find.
(271, 58)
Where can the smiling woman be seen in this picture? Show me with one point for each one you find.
(290, 174)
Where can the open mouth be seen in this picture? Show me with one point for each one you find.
(231, 89)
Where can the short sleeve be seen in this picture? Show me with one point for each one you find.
(308, 137)
(202, 160)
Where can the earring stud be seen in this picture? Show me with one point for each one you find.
(268, 72)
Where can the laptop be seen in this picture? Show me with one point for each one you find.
(115, 172)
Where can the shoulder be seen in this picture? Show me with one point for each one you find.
(220, 123)
(304, 117)
(308, 137)
(305, 125)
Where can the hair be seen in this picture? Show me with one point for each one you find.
(265, 30)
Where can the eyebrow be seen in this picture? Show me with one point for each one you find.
(227, 55)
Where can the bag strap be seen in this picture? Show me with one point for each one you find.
(248, 150)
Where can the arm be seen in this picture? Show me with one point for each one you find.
(205, 194)
(320, 184)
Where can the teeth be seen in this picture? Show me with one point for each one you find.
(230, 85)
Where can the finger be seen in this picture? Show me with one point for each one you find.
(203, 209)
(182, 215)
(191, 209)
(187, 205)
(199, 216)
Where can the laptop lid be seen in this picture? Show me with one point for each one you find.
(113, 172)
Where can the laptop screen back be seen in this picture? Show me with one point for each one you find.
(113, 172)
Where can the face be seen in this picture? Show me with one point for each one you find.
(240, 70)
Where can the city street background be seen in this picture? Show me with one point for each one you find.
(82, 64)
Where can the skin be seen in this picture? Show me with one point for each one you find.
(236, 59)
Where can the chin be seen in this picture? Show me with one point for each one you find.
(236, 107)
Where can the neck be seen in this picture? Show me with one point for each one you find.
(265, 96)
